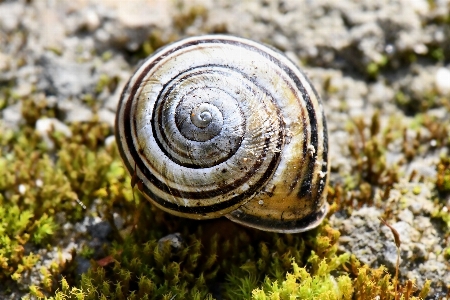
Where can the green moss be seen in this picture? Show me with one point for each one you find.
(304, 284)
(319, 283)
(107, 55)
(35, 291)
(188, 15)
(368, 145)
(414, 103)
(374, 68)
(447, 253)
(106, 82)
(443, 175)
(87, 252)
(159, 271)
(3, 103)
(155, 40)
(36, 185)
(443, 215)
(416, 190)
(438, 54)
(34, 108)
(217, 258)
(279, 267)
(377, 283)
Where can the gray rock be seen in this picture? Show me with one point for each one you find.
(420, 251)
(373, 243)
(118, 220)
(356, 232)
(389, 255)
(107, 117)
(98, 228)
(406, 216)
(83, 265)
(10, 14)
(65, 78)
(174, 240)
(75, 112)
(12, 115)
(89, 19)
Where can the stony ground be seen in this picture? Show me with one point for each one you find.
(389, 58)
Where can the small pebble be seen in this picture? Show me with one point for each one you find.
(44, 127)
(110, 140)
(92, 20)
(175, 240)
(406, 216)
(443, 81)
(39, 182)
(22, 189)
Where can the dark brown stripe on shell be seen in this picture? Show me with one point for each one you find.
(306, 185)
(158, 111)
(212, 208)
(269, 224)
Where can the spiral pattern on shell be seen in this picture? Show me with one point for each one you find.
(219, 125)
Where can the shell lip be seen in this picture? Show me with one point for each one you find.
(307, 223)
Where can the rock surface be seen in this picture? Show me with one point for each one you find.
(362, 56)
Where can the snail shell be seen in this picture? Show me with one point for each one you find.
(220, 125)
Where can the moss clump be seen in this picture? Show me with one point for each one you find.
(304, 284)
(419, 104)
(331, 279)
(154, 41)
(374, 68)
(371, 173)
(217, 257)
(36, 107)
(443, 176)
(439, 131)
(249, 264)
(188, 14)
(378, 284)
(41, 190)
(205, 266)
(372, 177)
